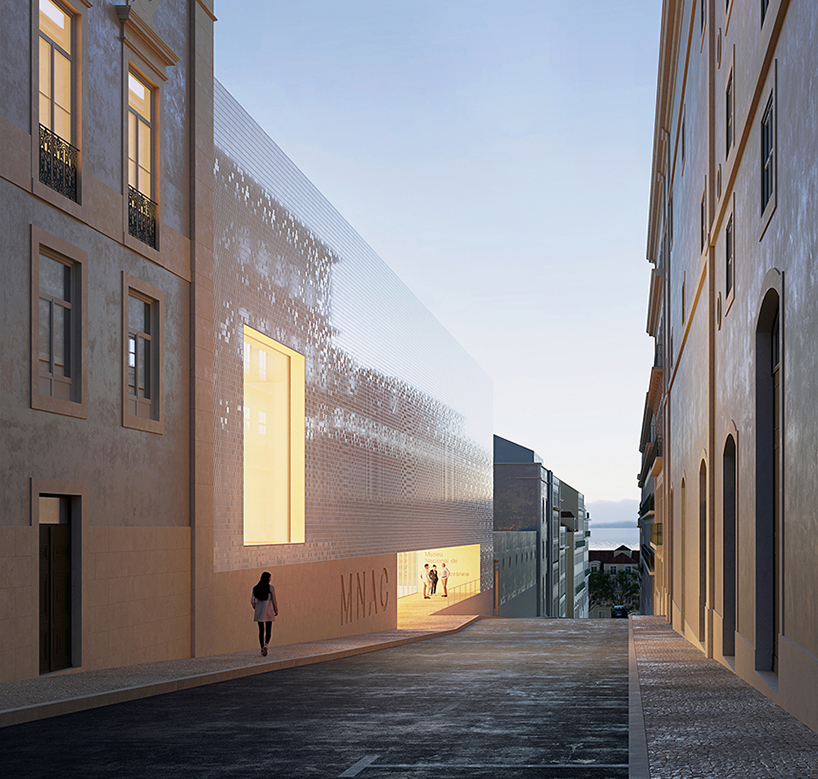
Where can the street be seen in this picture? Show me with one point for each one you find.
(502, 698)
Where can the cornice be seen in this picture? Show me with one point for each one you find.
(140, 34)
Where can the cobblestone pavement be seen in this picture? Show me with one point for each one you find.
(703, 721)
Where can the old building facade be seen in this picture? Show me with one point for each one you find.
(204, 371)
(729, 437)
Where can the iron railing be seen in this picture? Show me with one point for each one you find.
(58, 163)
(141, 217)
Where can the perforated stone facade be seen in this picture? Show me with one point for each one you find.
(398, 415)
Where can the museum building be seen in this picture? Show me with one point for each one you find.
(205, 372)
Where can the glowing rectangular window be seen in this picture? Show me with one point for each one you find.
(139, 135)
(273, 441)
(55, 69)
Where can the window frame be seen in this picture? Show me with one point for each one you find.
(294, 442)
(62, 251)
(139, 70)
(683, 140)
(77, 10)
(730, 258)
(134, 287)
(146, 54)
(730, 114)
(768, 205)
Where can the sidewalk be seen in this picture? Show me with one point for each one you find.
(701, 720)
(63, 693)
(689, 716)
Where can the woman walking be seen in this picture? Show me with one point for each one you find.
(265, 609)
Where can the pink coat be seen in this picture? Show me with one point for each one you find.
(264, 610)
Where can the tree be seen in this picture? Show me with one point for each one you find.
(614, 589)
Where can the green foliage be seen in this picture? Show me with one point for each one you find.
(614, 589)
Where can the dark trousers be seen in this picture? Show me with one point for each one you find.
(261, 639)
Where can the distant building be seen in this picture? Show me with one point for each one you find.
(611, 561)
(528, 498)
(574, 519)
(729, 437)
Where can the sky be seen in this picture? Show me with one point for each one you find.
(497, 157)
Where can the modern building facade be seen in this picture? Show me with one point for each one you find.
(729, 437)
(516, 573)
(574, 519)
(528, 498)
(395, 417)
(204, 372)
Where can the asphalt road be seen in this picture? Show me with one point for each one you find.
(502, 698)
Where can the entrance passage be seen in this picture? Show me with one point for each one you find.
(55, 583)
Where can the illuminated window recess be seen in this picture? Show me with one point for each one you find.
(273, 442)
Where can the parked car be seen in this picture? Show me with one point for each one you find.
(619, 612)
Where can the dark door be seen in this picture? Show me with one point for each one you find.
(55, 597)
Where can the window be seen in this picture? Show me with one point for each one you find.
(58, 327)
(627, 568)
(274, 433)
(728, 258)
(57, 156)
(767, 155)
(683, 143)
(143, 379)
(729, 115)
(141, 208)
(147, 56)
(611, 569)
(594, 566)
(55, 327)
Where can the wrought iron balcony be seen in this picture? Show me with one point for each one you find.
(141, 217)
(58, 163)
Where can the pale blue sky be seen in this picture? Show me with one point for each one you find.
(497, 157)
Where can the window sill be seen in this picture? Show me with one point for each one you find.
(156, 426)
(142, 248)
(68, 408)
(767, 215)
(58, 200)
(728, 300)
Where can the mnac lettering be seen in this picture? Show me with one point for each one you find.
(364, 594)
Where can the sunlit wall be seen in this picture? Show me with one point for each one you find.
(397, 417)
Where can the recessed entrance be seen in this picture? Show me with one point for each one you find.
(55, 582)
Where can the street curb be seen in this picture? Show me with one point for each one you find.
(638, 764)
(40, 711)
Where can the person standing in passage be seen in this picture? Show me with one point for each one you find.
(426, 581)
(265, 610)
(433, 580)
(444, 575)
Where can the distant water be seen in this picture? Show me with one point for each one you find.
(612, 537)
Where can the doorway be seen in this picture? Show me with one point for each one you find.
(55, 582)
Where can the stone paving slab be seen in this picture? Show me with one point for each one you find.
(704, 722)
